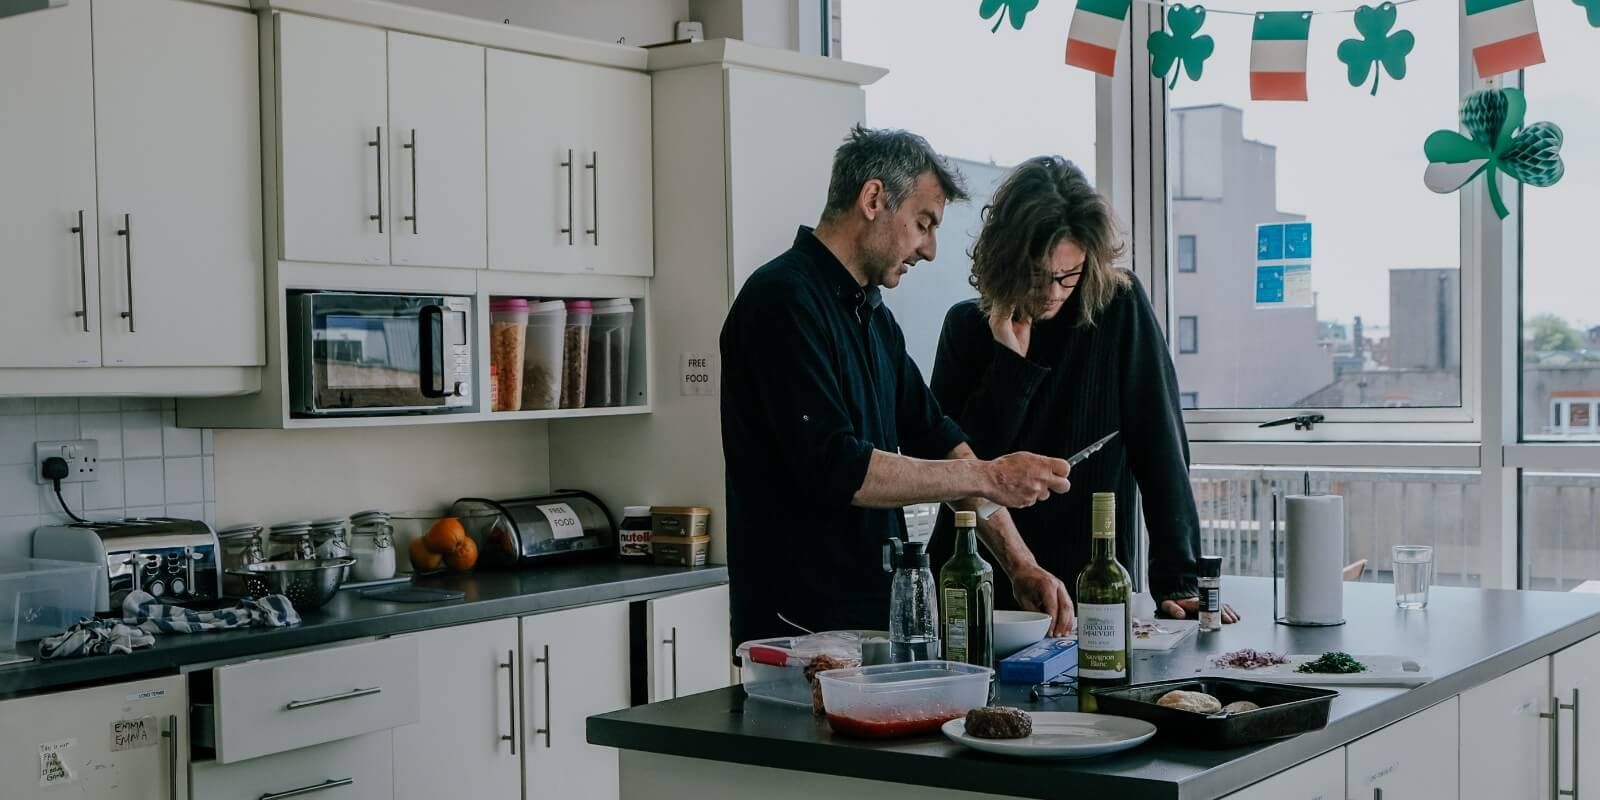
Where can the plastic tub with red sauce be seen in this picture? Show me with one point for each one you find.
(889, 701)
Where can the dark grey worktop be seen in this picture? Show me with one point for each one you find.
(1466, 637)
(489, 595)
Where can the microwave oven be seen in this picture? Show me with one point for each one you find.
(374, 354)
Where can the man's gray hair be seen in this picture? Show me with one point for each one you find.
(895, 157)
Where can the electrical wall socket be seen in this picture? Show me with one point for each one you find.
(82, 455)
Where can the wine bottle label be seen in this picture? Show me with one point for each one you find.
(955, 625)
(1103, 640)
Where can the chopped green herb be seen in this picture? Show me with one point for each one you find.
(1334, 663)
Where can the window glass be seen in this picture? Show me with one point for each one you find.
(1186, 256)
(1560, 529)
(1188, 335)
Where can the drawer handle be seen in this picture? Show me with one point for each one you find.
(332, 698)
(510, 666)
(171, 735)
(673, 643)
(545, 731)
(317, 787)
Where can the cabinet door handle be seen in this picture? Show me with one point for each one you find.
(1554, 717)
(412, 146)
(1576, 752)
(83, 273)
(171, 735)
(510, 666)
(545, 731)
(126, 232)
(567, 165)
(377, 144)
(316, 787)
(673, 643)
(293, 705)
(594, 196)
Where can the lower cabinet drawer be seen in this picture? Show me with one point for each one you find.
(278, 704)
(361, 768)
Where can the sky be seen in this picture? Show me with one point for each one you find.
(1349, 161)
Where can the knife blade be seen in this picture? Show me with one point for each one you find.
(987, 509)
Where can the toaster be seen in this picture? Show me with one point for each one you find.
(175, 560)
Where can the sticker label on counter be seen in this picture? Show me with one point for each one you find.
(132, 734)
(148, 694)
(698, 379)
(563, 521)
(55, 763)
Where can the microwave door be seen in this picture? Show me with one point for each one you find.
(369, 354)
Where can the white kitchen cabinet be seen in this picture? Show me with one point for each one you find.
(52, 297)
(569, 167)
(126, 740)
(177, 130)
(469, 681)
(357, 768)
(1417, 758)
(1321, 778)
(574, 665)
(1505, 744)
(1574, 679)
(689, 643)
(333, 140)
(436, 145)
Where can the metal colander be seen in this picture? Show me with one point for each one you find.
(309, 584)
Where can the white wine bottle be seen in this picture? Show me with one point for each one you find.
(1104, 620)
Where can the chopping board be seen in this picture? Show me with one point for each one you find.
(1169, 632)
(1382, 670)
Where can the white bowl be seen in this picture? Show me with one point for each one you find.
(1014, 630)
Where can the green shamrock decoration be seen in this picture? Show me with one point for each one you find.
(1493, 117)
(1179, 44)
(997, 8)
(1593, 7)
(1377, 46)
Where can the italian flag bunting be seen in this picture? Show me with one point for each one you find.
(1278, 55)
(1096, 29)
(1504, 36)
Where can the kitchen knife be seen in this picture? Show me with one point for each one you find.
(988, 508)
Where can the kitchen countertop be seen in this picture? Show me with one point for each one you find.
(1466, 637)
(489, 595)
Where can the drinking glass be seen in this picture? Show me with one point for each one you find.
(1413, 571)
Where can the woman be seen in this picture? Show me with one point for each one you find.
(1061, 348)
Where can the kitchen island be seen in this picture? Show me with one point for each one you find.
(1497, 658)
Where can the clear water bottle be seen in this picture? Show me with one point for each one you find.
(913, 603)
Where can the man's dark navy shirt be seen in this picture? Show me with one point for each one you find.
(815, 377)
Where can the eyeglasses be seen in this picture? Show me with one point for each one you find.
(1054, 689)
(1062, 280)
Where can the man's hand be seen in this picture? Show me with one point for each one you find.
(1009, 330)
(1037, 590)
(1190, 607)
(1021, 479)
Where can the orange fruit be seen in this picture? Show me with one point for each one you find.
(444, 535)
(423, 559)
(462, 556)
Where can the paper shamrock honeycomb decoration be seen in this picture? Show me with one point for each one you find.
(1499, 143)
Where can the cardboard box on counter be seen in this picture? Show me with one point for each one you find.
(1040, 661)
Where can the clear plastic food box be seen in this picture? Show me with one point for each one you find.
(775, 669)
(40, 597)
(893, 700)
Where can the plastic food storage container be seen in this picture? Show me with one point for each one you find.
(610, 333)
(575, 353)
(40, 597)
(775, 669)
(890, 701)
(508, 330)
(541, 360)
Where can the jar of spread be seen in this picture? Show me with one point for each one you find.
(633, 537)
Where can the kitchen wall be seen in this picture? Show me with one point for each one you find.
(148, 466)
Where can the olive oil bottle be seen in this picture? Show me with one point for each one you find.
(966, 599)
(1104, 621)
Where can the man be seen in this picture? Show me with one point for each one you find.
(827, 426)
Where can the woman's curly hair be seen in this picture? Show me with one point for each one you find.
(1044, 201)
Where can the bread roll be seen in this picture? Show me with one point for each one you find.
(1198, 702)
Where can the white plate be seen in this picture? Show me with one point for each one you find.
(1061, 734)
(1381, 671)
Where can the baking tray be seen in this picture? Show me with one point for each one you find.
(1285, 710)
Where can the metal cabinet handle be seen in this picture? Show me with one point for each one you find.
(510, 666)
(567, 165)
(126, 232)
(171, 735)
(1576, 752)
(332, 698)
(83, 273)
(319, 787)
(412, 146)
(594, 196)
(545, 731)
(1377, 794)
(377, 143)
(673, 643)
(1554, 716)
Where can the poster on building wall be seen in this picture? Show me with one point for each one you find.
(1283, 265)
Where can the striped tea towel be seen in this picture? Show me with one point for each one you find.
(143, 616)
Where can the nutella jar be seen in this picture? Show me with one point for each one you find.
(633, 537)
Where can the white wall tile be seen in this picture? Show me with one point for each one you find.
(16, 535)
(141, 434)
(56, 427)
(144, 511)
(19, 492)
(16, 440)
(91, 405)
(184, 483)
(106, 429)
(211, 514)
(141, 404)
(105, 493)
(176, 441)
(144, 482)
(207, 441)
(71, 492)
(187, 511)
(208, 473)
(16, 405)
(56, 405)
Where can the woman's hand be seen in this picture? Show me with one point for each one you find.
(1010, 330)
(1189, 607)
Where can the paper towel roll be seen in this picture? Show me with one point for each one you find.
(1314, 576)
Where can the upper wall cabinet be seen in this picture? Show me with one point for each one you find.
(569, 167)
(380, 146)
